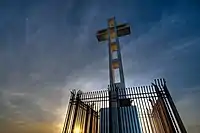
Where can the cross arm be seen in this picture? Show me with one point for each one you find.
(122, 30)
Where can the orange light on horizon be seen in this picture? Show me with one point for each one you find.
(77, 130)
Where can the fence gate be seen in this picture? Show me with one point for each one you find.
(81, 117)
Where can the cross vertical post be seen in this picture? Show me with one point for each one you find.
(111, 35)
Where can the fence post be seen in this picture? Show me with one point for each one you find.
(75, 112)
(68, 115)
(86, 119)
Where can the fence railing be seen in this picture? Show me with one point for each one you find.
(146, 109)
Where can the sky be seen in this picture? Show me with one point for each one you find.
(49, 47)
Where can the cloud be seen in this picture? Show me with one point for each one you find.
(163, 44)
(62, 53)
(34, 78)
(188, 108)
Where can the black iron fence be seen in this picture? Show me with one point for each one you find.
(145, 109)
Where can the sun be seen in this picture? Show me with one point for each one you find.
(77, 130)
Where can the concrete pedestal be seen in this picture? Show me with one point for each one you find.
(128, 120)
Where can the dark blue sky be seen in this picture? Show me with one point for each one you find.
(48, 47)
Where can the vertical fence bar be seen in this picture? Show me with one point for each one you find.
(139, 110)
(166, 120)
(75, 113)
(132, 111)
(165, 110)
(129, 112)
(102, 114)
(142, 109)
(160, 109)
(68, 114)
(122, 114)
(160, 84)
(82, 118)
(175, 111)
(86, 119)
(97, 109)
(91, 120)
(145, 108)
(155, 113)
(151, 96)
(125, 114)
(118, 110)
(148, 96)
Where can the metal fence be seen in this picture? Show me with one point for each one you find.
(151, 110)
